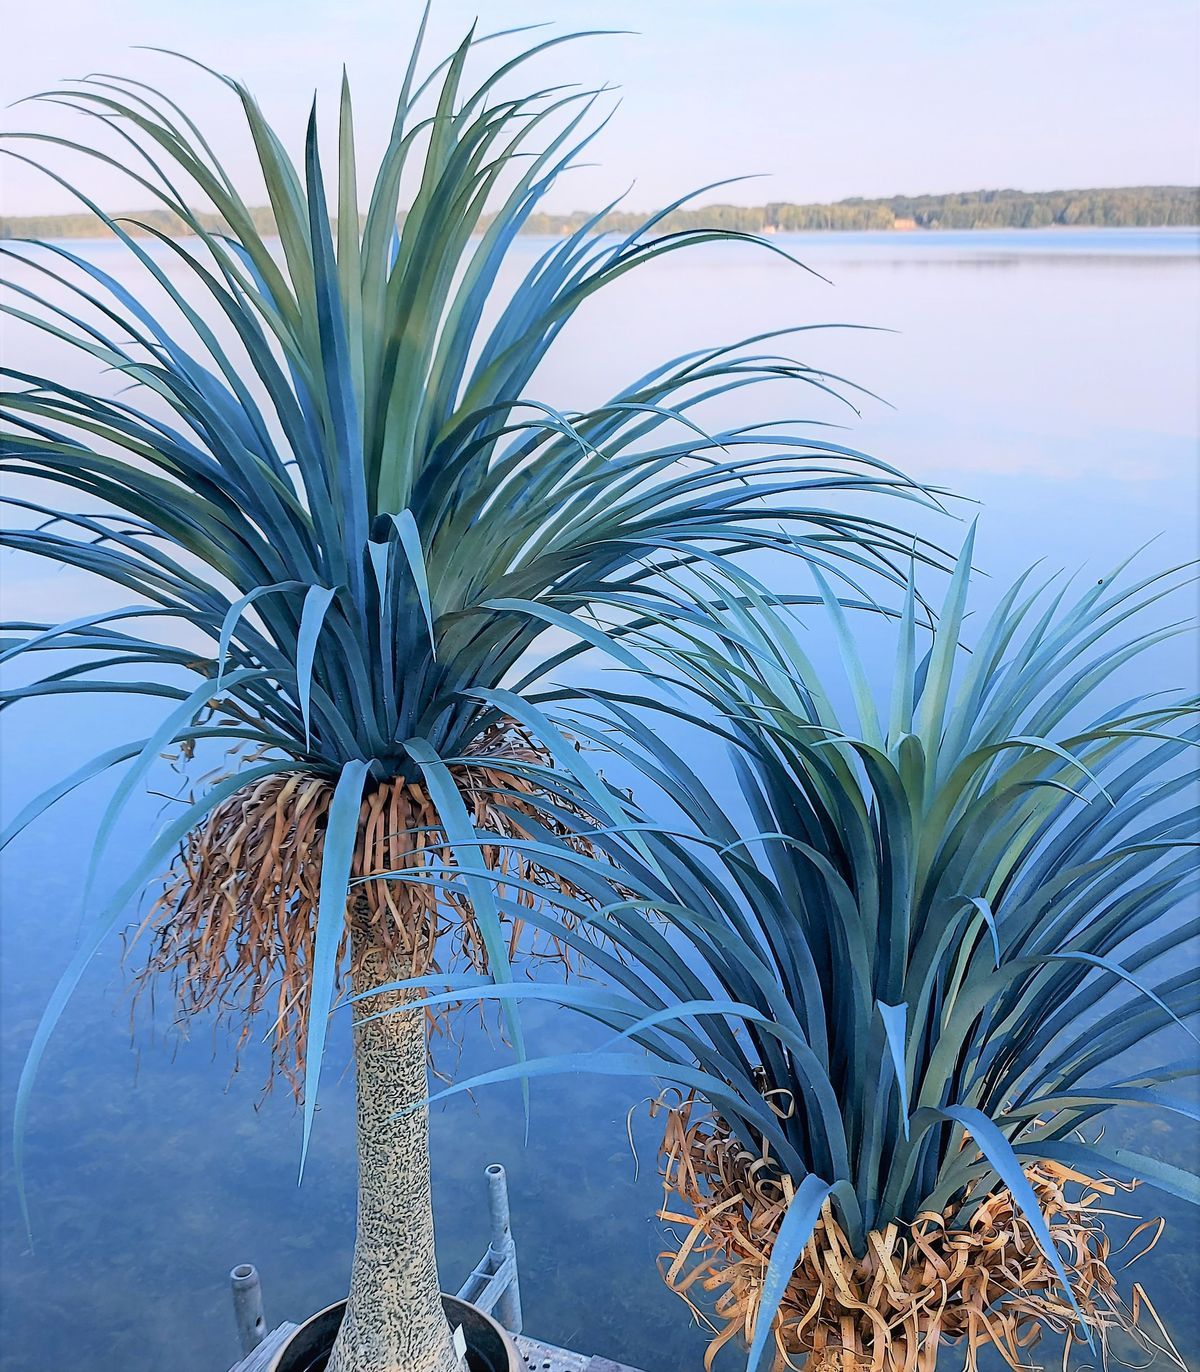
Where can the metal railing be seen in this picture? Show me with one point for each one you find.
(494, 1285)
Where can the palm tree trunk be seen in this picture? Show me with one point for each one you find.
(394, 1320)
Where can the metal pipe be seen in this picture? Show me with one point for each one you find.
(248, 1306)
(508, 1307)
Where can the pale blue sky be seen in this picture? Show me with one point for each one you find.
(830, 97)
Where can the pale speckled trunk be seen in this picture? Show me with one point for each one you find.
(394, 1320)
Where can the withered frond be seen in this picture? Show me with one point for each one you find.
(235, 926)
(983, 1281)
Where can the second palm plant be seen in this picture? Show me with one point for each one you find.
(899, 972)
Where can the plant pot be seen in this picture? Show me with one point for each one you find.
(489, 1346)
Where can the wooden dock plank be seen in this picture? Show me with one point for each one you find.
(258, 1360)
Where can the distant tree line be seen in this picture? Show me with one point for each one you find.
(1124, 207)
(137, 223)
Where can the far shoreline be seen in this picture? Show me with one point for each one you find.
(982, 211)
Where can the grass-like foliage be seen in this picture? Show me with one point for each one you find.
(907, 960)
(345, 518)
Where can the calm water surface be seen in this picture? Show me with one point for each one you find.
(1049, 376)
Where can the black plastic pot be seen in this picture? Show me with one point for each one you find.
(489, 1347)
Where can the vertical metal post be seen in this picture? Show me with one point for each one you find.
(248, 1307)
(508, 1307)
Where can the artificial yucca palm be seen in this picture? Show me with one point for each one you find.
(346, 523)
(895, 979)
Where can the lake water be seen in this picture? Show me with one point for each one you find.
(1050, 376)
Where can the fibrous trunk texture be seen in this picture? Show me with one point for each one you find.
(982, 1280)
(394, 1320)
